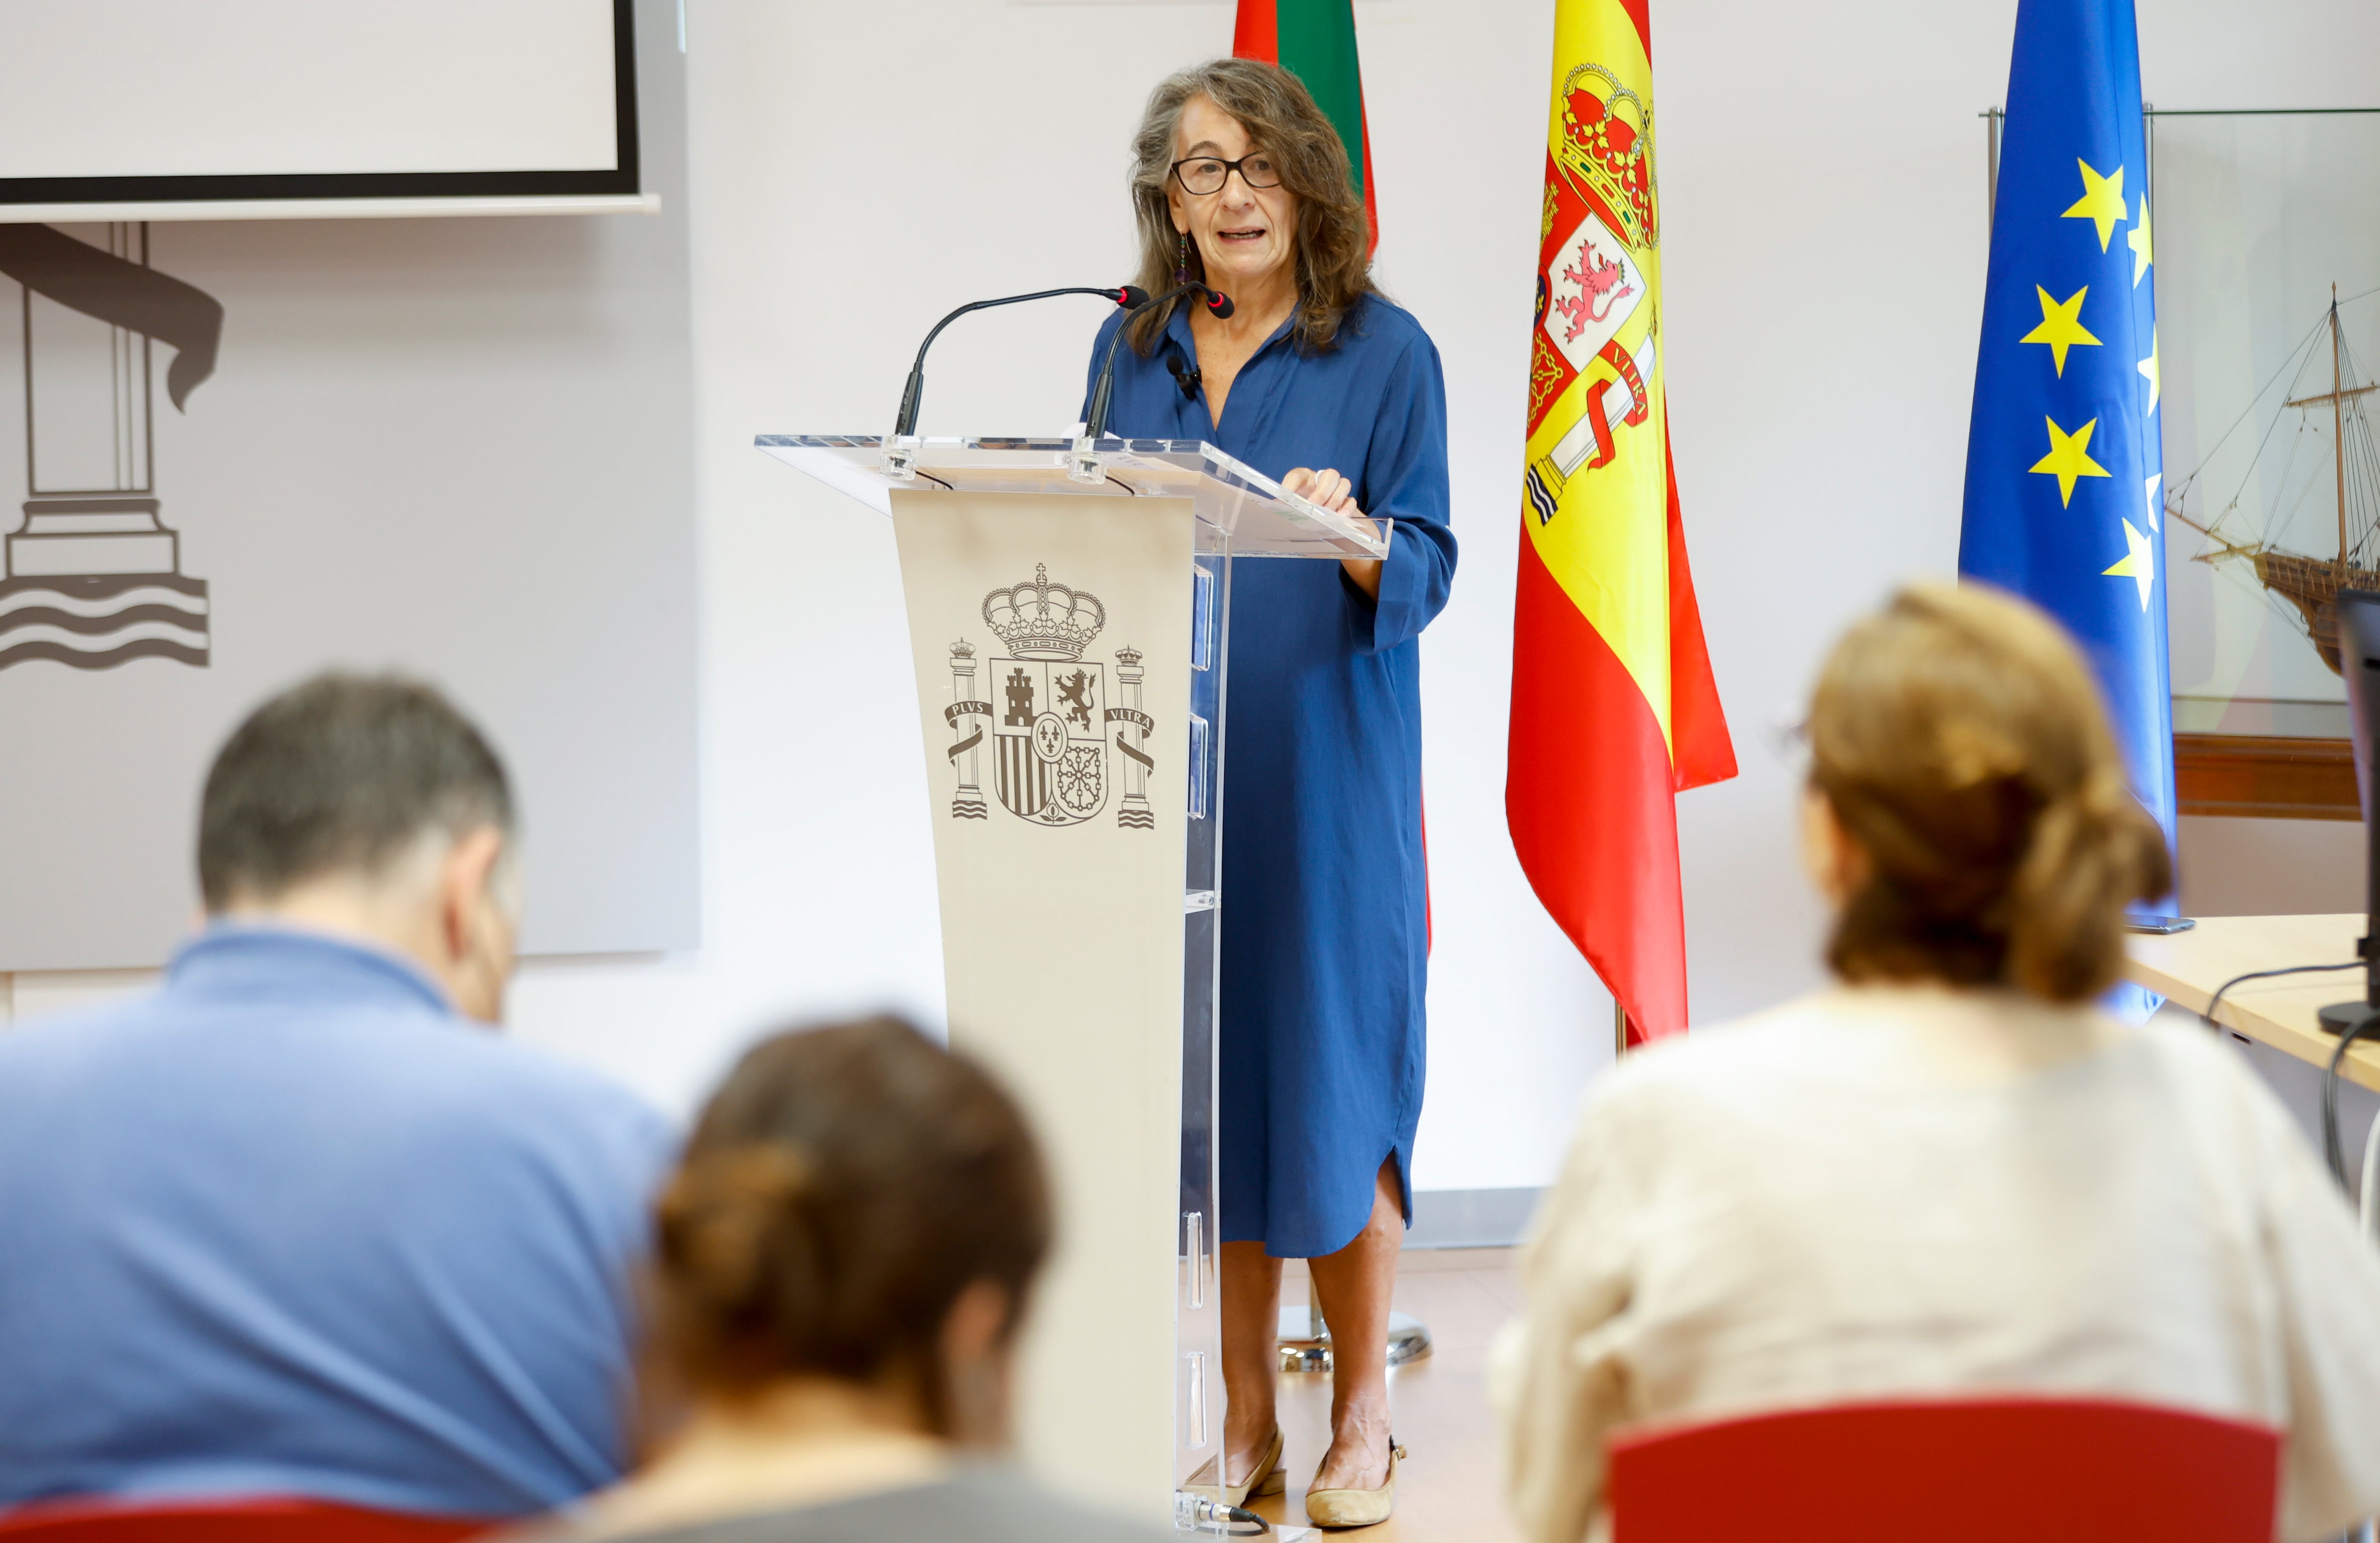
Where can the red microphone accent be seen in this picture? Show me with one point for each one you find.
(1219, 304)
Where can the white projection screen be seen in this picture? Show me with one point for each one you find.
(116, 101)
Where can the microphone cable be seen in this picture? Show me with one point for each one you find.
(2224, 989)
(1196, 1513)
(2370, 1026)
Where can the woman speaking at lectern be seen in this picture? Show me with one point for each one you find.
(1241, 183)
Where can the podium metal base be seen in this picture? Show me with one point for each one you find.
(1304, 1339)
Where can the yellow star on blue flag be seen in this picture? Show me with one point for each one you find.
(2063, 465)
(2102, 202)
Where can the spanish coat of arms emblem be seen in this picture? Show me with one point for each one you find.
(1046, 710)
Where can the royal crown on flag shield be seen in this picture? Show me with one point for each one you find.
(1614, 708)
(1607, 143)
(1601, 222)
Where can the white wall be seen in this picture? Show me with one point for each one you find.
(856, 168)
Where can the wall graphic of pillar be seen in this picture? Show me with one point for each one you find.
(92, 578)
(1132, 738)
(966, 737)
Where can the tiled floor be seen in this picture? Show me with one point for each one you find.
(1447, 1489)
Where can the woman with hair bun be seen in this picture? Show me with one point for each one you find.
(844, 1257)
(1951, 1174)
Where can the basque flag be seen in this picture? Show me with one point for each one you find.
(2065, 469)
(1315, 40)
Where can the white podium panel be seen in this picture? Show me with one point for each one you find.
(1071, 643)
(1052, 657)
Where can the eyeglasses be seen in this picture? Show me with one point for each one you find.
(1202, 175)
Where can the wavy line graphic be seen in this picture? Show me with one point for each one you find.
(139, 647)
(100, 626)
(174, 631)
(99, 621)
(151, 596)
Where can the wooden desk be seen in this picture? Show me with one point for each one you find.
(2187, 966)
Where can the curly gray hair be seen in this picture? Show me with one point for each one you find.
(1333, 236)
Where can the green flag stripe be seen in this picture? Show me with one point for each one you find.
(1317, 45)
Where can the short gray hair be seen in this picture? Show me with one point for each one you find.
(342, 772)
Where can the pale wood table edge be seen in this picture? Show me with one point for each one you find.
(2186, 967)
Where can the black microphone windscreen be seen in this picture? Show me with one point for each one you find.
(1131, 296)
(1219, 304)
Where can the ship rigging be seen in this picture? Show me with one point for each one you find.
(2308, 584)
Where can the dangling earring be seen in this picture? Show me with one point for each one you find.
(1182, 257)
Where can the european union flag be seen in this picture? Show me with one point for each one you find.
(2064, 464)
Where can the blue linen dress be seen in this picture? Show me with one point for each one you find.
(1324, 921)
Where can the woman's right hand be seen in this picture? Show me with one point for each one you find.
(1330, 489)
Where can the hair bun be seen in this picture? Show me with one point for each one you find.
(2093, 850)
(719, 1212)
(1963, 745)
(841, 1190)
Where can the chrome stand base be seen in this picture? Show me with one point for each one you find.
(1305, 1340)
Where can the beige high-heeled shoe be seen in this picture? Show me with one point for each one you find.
(1267, 1477)
(1356, 1508)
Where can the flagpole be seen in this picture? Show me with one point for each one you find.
(1619, 1029)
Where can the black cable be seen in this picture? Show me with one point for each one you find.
(1196, 1513)
(2369, 1026)
(2220, 992)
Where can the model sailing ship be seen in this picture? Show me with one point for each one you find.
(2309, 584)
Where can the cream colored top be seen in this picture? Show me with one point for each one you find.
(1881, 1191)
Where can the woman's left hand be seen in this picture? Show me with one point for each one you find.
(1332, 491)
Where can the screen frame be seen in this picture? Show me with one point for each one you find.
(622, 180)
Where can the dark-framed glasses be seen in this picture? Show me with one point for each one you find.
(1203, 175)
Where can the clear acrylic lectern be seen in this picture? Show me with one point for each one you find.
(1070, 640)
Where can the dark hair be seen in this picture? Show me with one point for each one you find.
(1961, 742)
(841, 1188)
(341, 773)
(1334, 238)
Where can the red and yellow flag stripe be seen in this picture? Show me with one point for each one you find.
(1614, 708)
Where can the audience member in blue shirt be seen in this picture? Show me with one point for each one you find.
(295, 1224)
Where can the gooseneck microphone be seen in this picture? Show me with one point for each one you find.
(1131, 297)
(1219, 304)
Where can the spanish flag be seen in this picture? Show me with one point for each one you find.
(1315, 40)
(1614, 709)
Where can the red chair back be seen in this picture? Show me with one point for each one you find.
(271, 1519)
(1983, 1472)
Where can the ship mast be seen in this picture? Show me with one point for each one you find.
(2338, 431)
(2337, 398)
